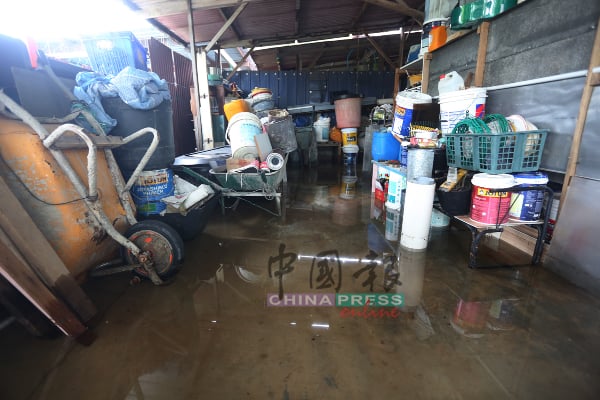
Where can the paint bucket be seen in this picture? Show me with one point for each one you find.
(234, 107)
(403, 156)
(437, 34)
(350, 154)
(240, 135)
(321, 128)
(348, 189)
(403, 111)
(149, 188)
(347, 112)
(490, 208)
(455, 106)
(349, 136)
(527, 206)
(396, 187)
(384, 146)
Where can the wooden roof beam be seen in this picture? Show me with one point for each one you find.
(399, 6)
(225, 26)
(380, 51)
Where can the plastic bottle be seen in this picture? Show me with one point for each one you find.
(450, 82)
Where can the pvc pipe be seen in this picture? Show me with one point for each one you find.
(553, 78)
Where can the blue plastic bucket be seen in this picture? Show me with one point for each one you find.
(384, 147)
(527, 206)
(150, 188)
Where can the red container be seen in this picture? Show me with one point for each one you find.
(490, 207)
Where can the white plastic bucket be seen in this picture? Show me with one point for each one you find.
(240, 135)
(454, 106)
(404, 111)
(321, 128)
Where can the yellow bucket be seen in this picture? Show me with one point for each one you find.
(234, 107)
(349, 136)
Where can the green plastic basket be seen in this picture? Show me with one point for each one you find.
(496, 153)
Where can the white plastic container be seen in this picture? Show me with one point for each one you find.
(321, 128)
(454, 106)
(450, 82)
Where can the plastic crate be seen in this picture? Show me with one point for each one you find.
(110, 53)
(496, 153)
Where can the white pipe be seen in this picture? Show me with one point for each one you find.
(553, 78)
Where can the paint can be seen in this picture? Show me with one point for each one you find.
(487, 207)
(150, 188)
(405, 102)
(527, 206)
(349, 136)
(396, 188)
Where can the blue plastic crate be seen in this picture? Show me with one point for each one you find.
(110, 53)
(496, 153)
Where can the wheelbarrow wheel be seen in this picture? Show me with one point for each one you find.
(161, 241)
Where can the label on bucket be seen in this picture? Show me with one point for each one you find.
(150, 188)
(488, 207)
(402, 118)
(527, 206)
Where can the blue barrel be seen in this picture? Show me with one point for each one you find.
(384, 146)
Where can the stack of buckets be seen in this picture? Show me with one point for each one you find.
(347, 116)
(494, 207)
(262, 101)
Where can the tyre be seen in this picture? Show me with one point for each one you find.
(161, 241)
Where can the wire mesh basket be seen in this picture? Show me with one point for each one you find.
(496, 153)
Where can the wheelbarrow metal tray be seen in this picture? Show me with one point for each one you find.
(247, 181)
(192, 224)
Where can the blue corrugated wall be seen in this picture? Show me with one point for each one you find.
(298, 88)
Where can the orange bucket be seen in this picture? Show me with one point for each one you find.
(234, 107)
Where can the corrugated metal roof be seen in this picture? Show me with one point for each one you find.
(268, 22)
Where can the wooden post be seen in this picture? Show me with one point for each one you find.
(425, 78)
(586, 98)
(483, 30)
(15, 269)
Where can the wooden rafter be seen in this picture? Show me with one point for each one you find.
(380, 51)
(399, 6)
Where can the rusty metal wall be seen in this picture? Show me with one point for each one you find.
(177, 71)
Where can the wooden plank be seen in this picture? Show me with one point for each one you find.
(39, 254)
(586, 98)
(16, 270)
(380, 51)
(483, 31)
(75, 142)
(425, 78)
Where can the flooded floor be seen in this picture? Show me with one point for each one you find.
(322, 307)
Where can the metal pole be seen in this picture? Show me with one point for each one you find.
(196, 93)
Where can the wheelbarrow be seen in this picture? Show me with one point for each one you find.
(150, 248)
(244, 186)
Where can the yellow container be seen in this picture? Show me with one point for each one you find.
(234, 107)
(349, 136)
(53, 203)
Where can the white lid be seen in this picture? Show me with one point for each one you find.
(349, 130)
(351, 148)
(493, 181)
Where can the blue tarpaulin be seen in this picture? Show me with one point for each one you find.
(139, 89)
